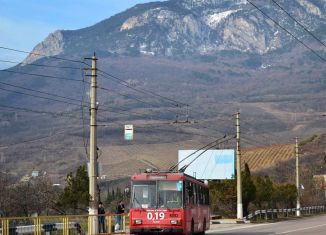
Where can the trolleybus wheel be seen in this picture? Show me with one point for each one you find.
(192, 229)
(204, 228)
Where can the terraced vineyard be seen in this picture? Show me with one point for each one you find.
(264, 157)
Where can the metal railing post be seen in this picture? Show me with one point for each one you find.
(37, 224)
(5, 227)
(110, 224)
(124, 222)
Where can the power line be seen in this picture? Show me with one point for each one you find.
(248, 142)
(313, 35)
(263, 135)
(147, 92)
(39, 65)
(187, 165)
(42, 75)
(251, 140)
(41, 92)
(38, 111)
(33, 140)
(79, 105)
(122, 110)
(140, 100)
(39, 54)
(124, 95)
(152, 104)
(215, 141)
(291, 34)
(41, 97)
(182, 132)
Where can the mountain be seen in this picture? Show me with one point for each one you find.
(188, 27)
(218, 56)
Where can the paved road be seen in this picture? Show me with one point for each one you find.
(312, 226)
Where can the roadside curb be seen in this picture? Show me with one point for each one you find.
(228, 221)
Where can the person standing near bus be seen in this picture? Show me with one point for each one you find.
(101, 218)
(120, 211)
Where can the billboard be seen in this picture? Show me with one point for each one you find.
(211, 164)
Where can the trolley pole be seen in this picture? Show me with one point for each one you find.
(93, 205)
(238, 167)
(297, 175)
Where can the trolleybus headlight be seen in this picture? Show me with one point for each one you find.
(175, 222)
(137, 221)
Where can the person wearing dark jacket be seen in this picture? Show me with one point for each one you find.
(120, 211)
(101, 218)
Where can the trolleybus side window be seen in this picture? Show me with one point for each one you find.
(190, 194)
(197, 194)
(201, 195)
(206, 196)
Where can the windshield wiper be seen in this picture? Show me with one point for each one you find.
(135, 199)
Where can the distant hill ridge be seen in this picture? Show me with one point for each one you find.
(188, 28)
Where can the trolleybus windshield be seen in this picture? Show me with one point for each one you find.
(157, 194)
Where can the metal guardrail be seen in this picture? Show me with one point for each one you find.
(60, 225)
(283, 213)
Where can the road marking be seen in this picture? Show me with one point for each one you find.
(296, 230)
(241, 227)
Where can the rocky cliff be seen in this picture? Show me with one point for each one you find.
(191, 28)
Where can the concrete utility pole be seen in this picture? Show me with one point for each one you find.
(93, 205)
(239, 182)
(297, 175)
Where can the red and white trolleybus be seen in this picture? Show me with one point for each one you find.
(169, 203)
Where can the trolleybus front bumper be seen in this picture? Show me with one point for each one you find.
(156, 230)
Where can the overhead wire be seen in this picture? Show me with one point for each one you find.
(207, 145)
(182, 169)
(140, 100)
(36, 96)
(181, 132)
(41, 75)
(121, 81)
(124, 82)
(260, 144)
(41, 92)
(144, 91)
(110, 109)
(301, 25)
(38, 111)
(34, 139)
(40, 54)
(38, 65)
(291, 34)
(244, 125)
(48, 76)
(248, 142)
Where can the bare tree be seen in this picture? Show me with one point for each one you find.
(6, 181)
(34, 196)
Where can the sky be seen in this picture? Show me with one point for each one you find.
(25, 23)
